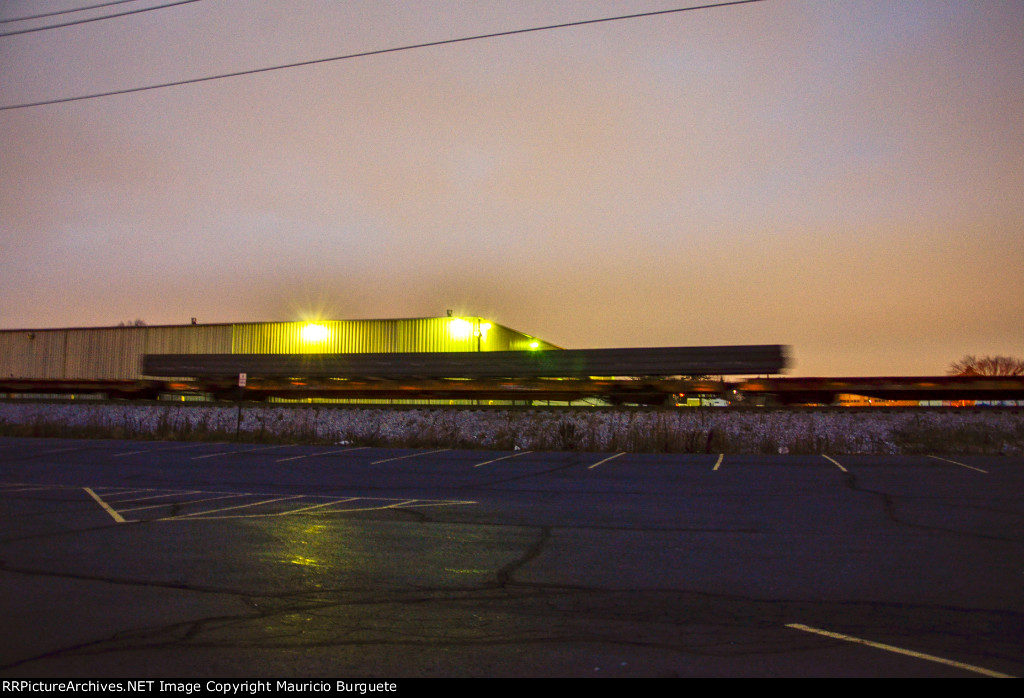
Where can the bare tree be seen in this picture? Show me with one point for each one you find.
(972, 365)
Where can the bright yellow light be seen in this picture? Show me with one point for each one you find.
(459, 328)
(535, 345)
(484, 326)
(314, 333)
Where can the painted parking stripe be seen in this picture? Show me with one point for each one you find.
(495, 460)
(212, 455)
(373, 507)
(184, 502)
(340, 450)
(106, 507)
(719, 461)
(240, 506)
(591, 467)
(959, 463)
(30, 488)
(838, 464)
(156, 450)
(154, 496)
(202, 515)
(413, 455)
(900, 650)
(231, 453)
(303, 504)
(325, 453)
(112, 493)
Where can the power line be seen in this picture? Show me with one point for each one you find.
(376, 52)
(96, 19)
(65, 12)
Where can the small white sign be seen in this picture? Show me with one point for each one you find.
(241, 380)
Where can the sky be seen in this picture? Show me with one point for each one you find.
(843, 177)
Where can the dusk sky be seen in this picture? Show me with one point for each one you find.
(845, 177)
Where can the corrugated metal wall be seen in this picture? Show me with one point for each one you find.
(378, 336)
(116, 352)
(32, 353)
(102, 352)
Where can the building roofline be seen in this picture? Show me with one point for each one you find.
(243, 322)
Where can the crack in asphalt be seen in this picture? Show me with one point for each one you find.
(889, 508)
(504, 575)
(496, 610)
(693, 623)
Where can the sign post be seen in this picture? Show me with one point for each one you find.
(241, 392)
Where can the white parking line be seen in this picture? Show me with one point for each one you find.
(158, 450)
(231, 453)
(315, 506)
(240, 506)
(495, 460)
(212, 455)
(719, 461)
(289, 512)
(376, 507)
(413, 455)
(591, 467)
(900, 650)
(303, 505)
(187, 501)
(958, 463)
(111, 492)
(31, 488)
(176, 493)
(325, 453)
(106, 507)
(285, 460)
(340, 450)
(838, 464)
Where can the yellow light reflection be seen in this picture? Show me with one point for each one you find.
(314, 333)
(305, 561)
(459, 328)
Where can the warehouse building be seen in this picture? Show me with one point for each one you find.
(115, 353)
(451, 360)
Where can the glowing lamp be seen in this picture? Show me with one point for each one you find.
(459, 328)
(314, 333)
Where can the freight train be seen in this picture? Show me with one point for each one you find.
(447, 358)
(434, 360)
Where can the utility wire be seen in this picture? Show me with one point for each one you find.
(96, 19)
(375, 52)
(65, 12)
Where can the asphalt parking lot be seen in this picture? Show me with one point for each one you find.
(121, 558)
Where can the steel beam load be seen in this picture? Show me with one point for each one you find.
(568, 363)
